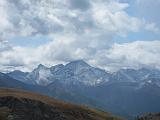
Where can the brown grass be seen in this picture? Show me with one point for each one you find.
(98, 115)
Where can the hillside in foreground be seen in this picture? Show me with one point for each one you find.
(150, 116)
(22, 105)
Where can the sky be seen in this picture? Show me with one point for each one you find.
(110, 34)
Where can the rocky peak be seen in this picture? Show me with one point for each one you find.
(77, 64)
(40, 66)
(56, 67)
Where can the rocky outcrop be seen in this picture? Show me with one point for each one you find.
(150, 116)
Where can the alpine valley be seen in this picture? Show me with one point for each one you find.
(127, 92)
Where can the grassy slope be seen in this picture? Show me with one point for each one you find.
(95, 114)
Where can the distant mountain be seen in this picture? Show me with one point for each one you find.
(79, 72)
(54, 91)
(8, 82)
(41, 75)
(141, 76)
(76, 72)
(21, 76)
(22, 105)
(127, 92)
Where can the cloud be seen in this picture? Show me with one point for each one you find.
(80, 4)
(27, 18)
(4, 46)
(130, 55)
(136, 54)
(152, 27)
(78, 29)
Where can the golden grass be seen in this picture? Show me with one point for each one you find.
(98, 115)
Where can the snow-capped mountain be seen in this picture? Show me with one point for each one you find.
(79, 72)
(41, 75)
(75, 72)
(131, 91)
(55, 68)
(142, 76)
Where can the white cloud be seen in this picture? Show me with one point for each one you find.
(79, 30)
(25, 18)
(152, 27)
(4, 46)
(133, 55)
(127, 55)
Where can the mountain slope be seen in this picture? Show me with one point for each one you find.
(21, 76)
(75, 72)
(9, 82)
(18, 105)
(78, 82)
(6, 81)
(80, 73)
(126, 99)
(55, 91)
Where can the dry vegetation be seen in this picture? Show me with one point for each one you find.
(71, 112)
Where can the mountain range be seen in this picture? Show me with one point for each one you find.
(127, 92)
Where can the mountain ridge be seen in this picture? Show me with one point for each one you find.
(81, 72)
(125, 89)
(74, 71)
